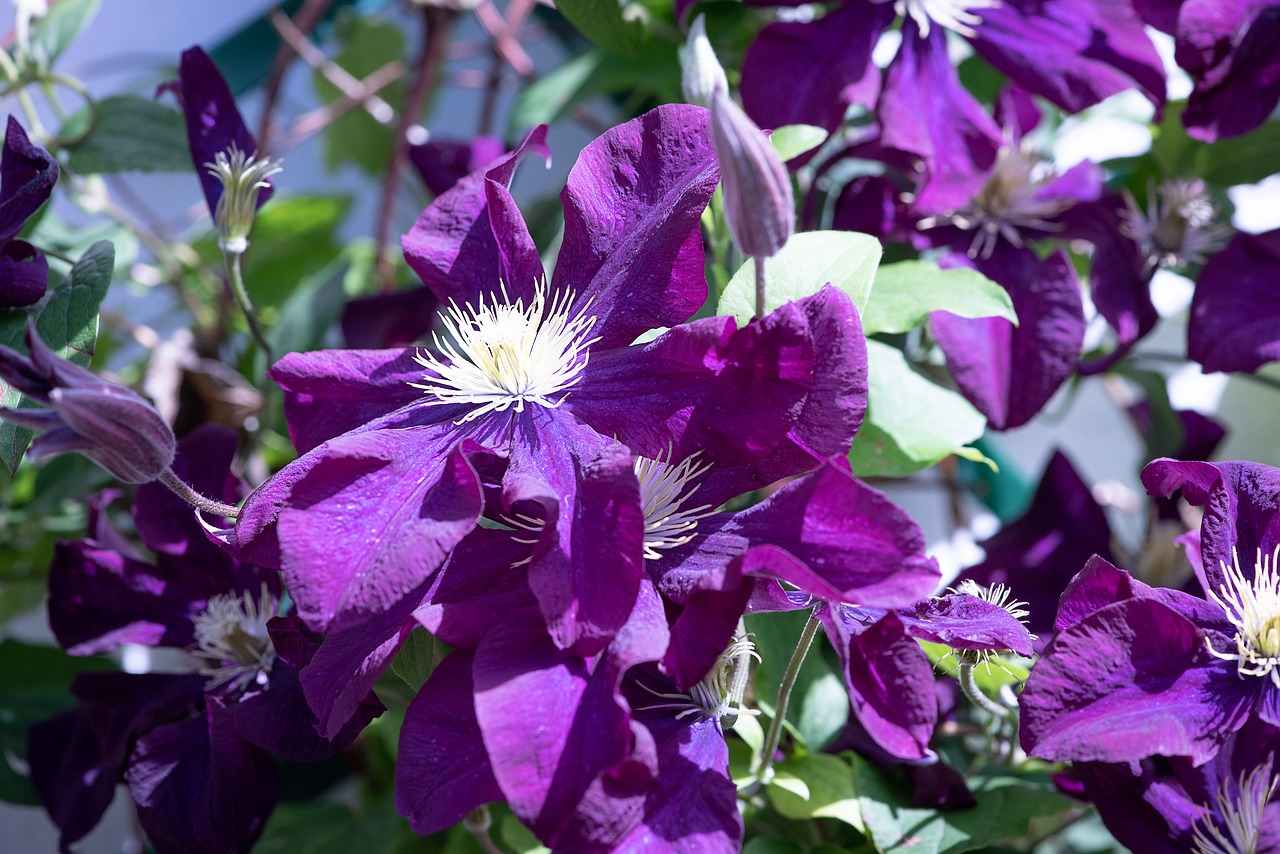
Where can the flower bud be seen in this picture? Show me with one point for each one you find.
(757, 189)
(702, 73)
(242, 177)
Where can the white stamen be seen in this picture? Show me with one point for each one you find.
(504, 355)
(1178, 227)
(242, 176)
(1253, 607)
(954, 15)
(1009, 202)
(663, 492)
(1241, 813)
(231, 634)
(713, 695)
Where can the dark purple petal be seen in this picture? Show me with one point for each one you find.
(1235, 313)
(372, 519)
(925, 110)
(1131, 680)
(890, 682)
(124, 706)
(1161, 14)
(442, 163)
(214, 123)
(1228, 47)
(1100, 584)
(961, 621)
(329, 392)
(68, 774)
(705, 622)
(1037, 554)
(1073, 52)
(388, 320)
(27, 176)
(443, 771)
(24, 275)
(1009, 372)
(809, 73)
(858, 545)
(633, 202)
(453, 246)
(199, 787)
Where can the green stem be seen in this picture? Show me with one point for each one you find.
(761, 289)
(764, 771)
(974, 693)
(242, 299)
(184, 491)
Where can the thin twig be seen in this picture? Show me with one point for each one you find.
(305, 21)
(503, 32)
(310, 123)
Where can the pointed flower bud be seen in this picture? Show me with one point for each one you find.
(702, 74)
(112, 425)
(757, 189)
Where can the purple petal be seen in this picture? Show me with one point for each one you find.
(1228, 47)
(24, 275)
(68, 774)
(1235, 313)
(214, 123)
(704, 623)
(442, 163)
(1131, 680)
(27, 176)
(124, 706)
(199, 787)
(443, 771)
(1100, 584)
(1010, 372)
(372, 519)
(925, 110)
(454, 247)
(633, 202)
(388, 320)
(1073, 52)
(809, 73)
(961, 621)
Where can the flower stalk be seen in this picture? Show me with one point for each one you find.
(764, 768)
(187, 493)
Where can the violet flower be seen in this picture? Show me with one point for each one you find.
(193, 748)
(383, 433)
(27, 176)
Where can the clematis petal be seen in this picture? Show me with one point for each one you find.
(961, 621)
(27, 176)
(1235, 309)
(24, 275)
(73, 784)
(1226, 46)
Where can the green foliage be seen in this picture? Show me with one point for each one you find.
(793, 140)
(51, 34)
(904, 293)
(652, 75)
(616, 28)
(911, 422)
(293, 238)
(130, 134)
(819, 703)
(417, 658)
(1243, 159)
(816, 785)
(34, 685)
(809, 260)
(67, 320)
(1006, 806)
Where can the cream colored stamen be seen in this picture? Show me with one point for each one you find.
(664, 489)
(231, 634)
(1253, 607)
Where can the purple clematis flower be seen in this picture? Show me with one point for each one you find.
(1072, 52)
(538, 377)
(1235, 308)
(1168, 806)
(27, 176)
(193, 748)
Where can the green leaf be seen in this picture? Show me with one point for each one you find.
(67, 320)
(827, 785)
(313, 307)
(1240, 160)
(808, 261)
(619, 30)
(793, 140)
(772, 845)
(519, 837)
(911, 422)
(34, 685)
(1006, 806)
(905, 293)
(812, 697)
(416, 659)
(824, 708)
(51, 34)
(357, 137)
(130, 135)
(653, 75)
(292, 238)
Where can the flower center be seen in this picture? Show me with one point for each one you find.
(1009, 202)
(1254, 609)
(242, 176)
(1178, 227)
(954, 15)
(503, 355)
(719, 693)
(664, 489)
(1240, 813)
(231, 634)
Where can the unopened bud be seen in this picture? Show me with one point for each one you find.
(702, 73)
(758, 203)
(242, 177)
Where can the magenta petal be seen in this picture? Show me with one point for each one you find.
(859, 545)
(1228, 47)
(1100, 584)
(925, 110)
(329, 392)
(27, 176)
(809, 73)
(453, 247)
(632, 207)
(24, 275)
(1235, 313)
(961, 621)
(1073, 52)
(1009, 372)
(442, 771)
(1131, 680)
(388, 320)
(372, 520)
(199, 787)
